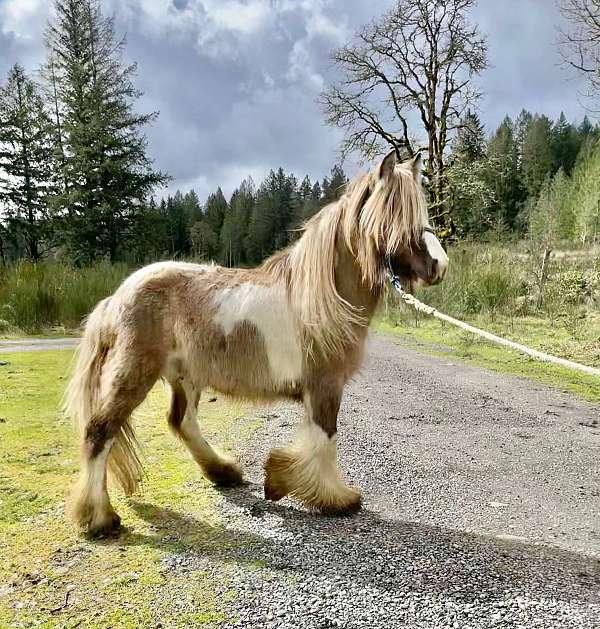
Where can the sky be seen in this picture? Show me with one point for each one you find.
(236, 81)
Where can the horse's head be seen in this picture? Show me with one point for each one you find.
(394, 224)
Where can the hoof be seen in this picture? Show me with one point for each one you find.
(276, 471)
(224, 473)
(349, 507)
(274, 491)
(109, 528)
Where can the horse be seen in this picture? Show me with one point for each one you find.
(293, 328)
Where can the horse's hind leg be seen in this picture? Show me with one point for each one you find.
(307, 469)
(183, 420)
(125, 383)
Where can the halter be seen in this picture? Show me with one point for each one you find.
(394, 279)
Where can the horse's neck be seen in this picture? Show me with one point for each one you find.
(351, 287)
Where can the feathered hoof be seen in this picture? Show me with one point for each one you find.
(97, 521)
(276, 474)
(109, 528)
(224, 473)
(349, 504)
(325, 493)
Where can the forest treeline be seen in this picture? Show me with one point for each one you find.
(76, 182)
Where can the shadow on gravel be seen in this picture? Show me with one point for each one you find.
(365, 549)
(405, 556)
(175, 532)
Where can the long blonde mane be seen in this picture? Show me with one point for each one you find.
(373, 218)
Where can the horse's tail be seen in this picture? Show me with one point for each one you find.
(82, 397)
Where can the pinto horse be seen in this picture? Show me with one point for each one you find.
(294, 328)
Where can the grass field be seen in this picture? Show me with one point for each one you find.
(49, 575)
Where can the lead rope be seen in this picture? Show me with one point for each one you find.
(411, 300)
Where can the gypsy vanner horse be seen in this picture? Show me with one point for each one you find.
(294, 328)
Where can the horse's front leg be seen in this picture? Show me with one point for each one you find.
(307, 468)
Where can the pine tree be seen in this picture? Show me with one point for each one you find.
(335, 184)
(469, 145)
(192, 207)
(521, 129)
(305, 189)
(107, 175)
(537, 154)
(214, 210)
(205, 241)
(235, 224)
(273, 215)
(565, 145)
(471, 196)
(178, 237)
(503, 174)
(26, 179)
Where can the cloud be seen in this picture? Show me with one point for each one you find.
(236, 81)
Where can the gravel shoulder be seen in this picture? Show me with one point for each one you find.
(482, 508)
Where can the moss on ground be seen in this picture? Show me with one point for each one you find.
(126, 582)
(438, 339)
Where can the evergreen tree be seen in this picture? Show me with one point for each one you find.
(235, 224)
(336, 183)
(273, 215)
(565, 145)
(205, 241)
(107, 175)
(586, 128)
(305, 189)
(521, 129)
(537, 154)
(471, 196)
(317, 192)
(469, 145)
(191, 207)
(214, 210)
(503, 174)
(178, 238)
(26, 174)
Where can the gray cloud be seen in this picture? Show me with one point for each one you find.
(235, 81)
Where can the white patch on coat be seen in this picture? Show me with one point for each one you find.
(266, 308)
(436, 251)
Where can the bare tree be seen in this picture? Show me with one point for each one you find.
(580, 45)
(416, 63)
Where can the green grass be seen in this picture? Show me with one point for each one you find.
(120, 583)
(434, 337)
(39, 297)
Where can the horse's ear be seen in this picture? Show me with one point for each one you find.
(416, 165)
(386, 168)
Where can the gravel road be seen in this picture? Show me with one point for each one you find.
(37, 345)
(481, 509)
